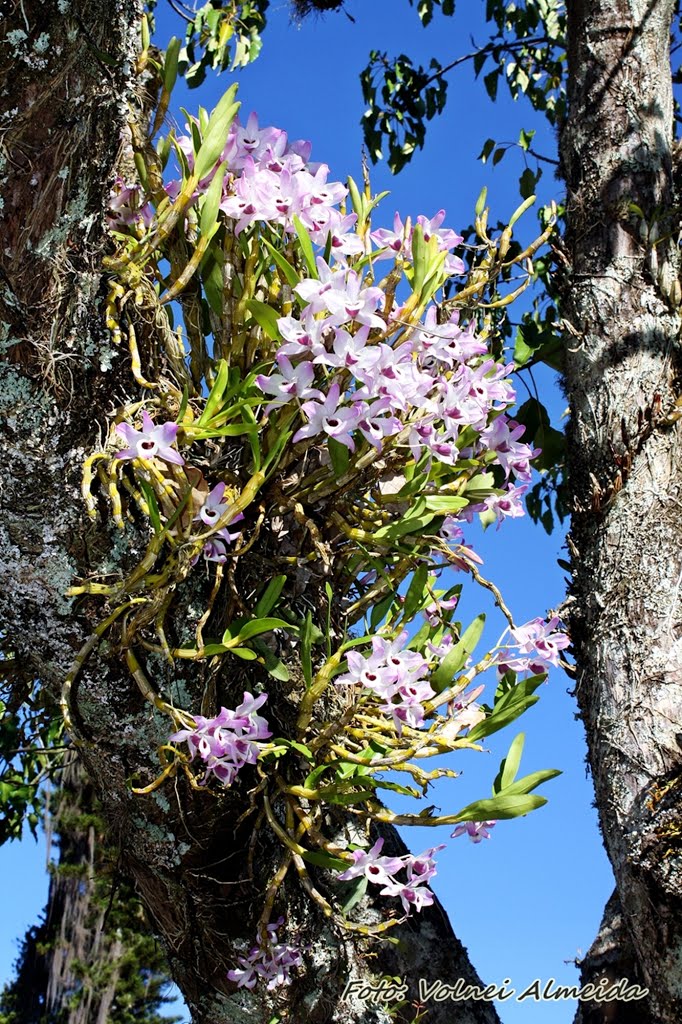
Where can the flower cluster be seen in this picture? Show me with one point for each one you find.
(215, 549)
(270, 962)
(229, 741)
(436, 380)
(127, 207)
(433, 381)
(398, 242)
(395, 675)
(270, 179)
(413, 893)
(537, 647)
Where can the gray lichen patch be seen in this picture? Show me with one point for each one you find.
(23, 406)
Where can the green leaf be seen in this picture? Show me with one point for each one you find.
(395, 787)
(457, 657)
(339, 455)
(273, 455)
(183, 404)
(416, 594)
(150, 498)
(325, 860)
(254, 628)
(380, 611)
(510, 764)
(170, 64)
(425, 11)
(273, 666)
(265, 316)
(446, 503)
(306, 247)
(211, 649)
(211, 271)
(530, 782)
(480, 58)
(501, 808)
(349, 770)
(217, 129)
(316, 773)
(418, 258)
(292, 277)
(484, 155)
(508, 708)
(480, 486)
(358, 890)
(414, 520)
(528, 183)
(420, 637)
(490, 80)
(523, 352)
(270, 596)
(535, 418)
(347, 799)
(182, 158)
(356, 199)
(245, 653)
(210, 206)
(306, 650)
(215, 398)
(302, 749)
(228, 430)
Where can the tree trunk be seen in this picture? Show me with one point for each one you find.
(200, 871)
(623, 379)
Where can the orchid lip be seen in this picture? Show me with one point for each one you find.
(146, 448)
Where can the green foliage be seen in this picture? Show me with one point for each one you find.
(30, 735)
(526, 51)
(222, 35)
(400, 98)
(512, 699)
(425, 8)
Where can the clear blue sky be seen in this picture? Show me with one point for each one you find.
(529, 901)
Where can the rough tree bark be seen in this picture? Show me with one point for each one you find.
(201, 875)
(623, 379)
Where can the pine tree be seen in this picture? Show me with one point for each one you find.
(92, 959)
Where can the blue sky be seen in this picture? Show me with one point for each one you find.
(529, 901)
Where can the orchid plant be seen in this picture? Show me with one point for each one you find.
(364, 421)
